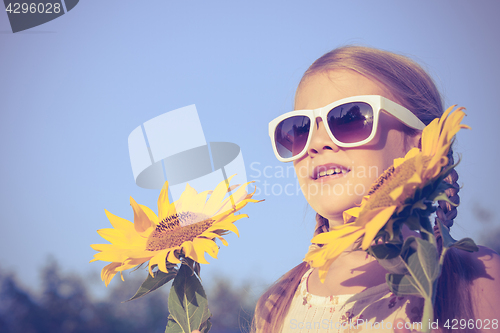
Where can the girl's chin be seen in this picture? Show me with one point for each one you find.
(331, 205)
(333, 212)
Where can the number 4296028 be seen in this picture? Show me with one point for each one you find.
(484, 324)
(40, 8)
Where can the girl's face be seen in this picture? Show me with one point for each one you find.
(331, 195)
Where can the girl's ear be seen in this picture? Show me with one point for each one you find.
(414, 141)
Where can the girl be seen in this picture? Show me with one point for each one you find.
(335, 168)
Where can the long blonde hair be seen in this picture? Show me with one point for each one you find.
(413, 88)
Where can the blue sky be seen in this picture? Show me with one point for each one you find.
(73, 89)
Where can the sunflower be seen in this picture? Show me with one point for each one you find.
(409, 184)
(187, 227)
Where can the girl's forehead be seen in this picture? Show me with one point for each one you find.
(320, 89)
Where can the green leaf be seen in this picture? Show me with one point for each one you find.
(443, 186)
(444, 197)
(154, 282)
(394, 266)
(445, 234)
(172, 326)
(385, 251)
(466, 244)
(425, 222)
(197, 269)
(401, 284)
(424, 267)
(402, 208)
(187, 302)
(205, 327)
(426, 230)
(408, 247)
(419, 205)
(439, 183)
(413, 222)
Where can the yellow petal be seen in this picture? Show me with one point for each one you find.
(110, 256)
(223, 226)
(139, 253)
(236, 208)
(151, 215)
(202, 245)
(409, 155)
(141, 219)
(436, 163)
(116, 237)
(412, 153)
(352, 212)
(324, 256)
(128, 264)
(197, 203)
(214, 202)
(119, 223)
(186, 199)
(160, 260)
(398, 161)
(108, 272)
(442, 120)
(164, 205)
(172, 257)
(397, 192)
(224, 242)
(376, 224)
(414, 179)
(316, 257)
(323, 270)
(228, 219)
(335, 233)
(234, 199)
(429, 135)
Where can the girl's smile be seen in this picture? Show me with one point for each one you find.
(329, 171)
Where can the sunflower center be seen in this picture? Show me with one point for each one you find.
(391, 179)
(384, 177)
(170, 232)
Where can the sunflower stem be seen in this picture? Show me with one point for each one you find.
(428, 316)
(427, 232)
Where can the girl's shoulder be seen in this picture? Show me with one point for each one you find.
(486, 256)
(486, 263)
(485, 288)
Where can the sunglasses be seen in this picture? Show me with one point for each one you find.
(350, 122)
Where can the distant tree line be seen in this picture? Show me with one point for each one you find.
(64, 305)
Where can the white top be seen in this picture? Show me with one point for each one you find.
(373, 310)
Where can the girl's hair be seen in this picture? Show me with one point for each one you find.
(413, 88)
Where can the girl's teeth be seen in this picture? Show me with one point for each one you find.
(334, 171)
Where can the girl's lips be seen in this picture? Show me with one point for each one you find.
(330, 170)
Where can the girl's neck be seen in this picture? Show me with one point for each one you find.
(335, 221)
(351, 273)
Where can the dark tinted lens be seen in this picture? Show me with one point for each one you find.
(351, 122)
(291, 135)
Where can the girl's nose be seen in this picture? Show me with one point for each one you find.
(320, 140)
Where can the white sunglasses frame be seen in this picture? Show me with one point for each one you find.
(378, 103)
